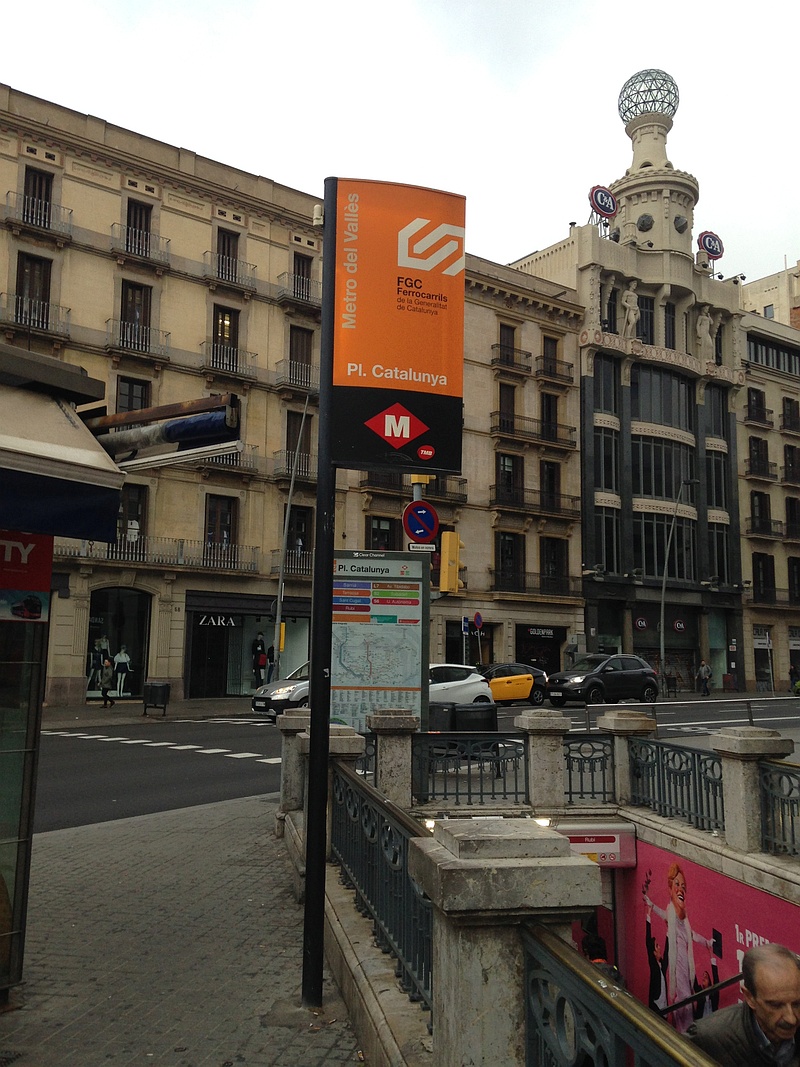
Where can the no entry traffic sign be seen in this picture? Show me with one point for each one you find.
(420, 522)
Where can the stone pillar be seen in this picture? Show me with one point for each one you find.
(293, 778)
(484, 879)
(345, 744)
(393, 729)
(741, 747)
(546, 731)
(624, 724)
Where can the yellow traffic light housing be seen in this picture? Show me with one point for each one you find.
(450, 564)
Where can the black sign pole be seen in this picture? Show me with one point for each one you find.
(321, 635)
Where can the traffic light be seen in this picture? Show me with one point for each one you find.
(450, 562)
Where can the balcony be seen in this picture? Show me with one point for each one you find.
(36, 316)
(298, 564)
(790, 423)
(139, 245)
(504, 357)
(531, 582)
(283, 461)
(299, 292)
(535, 501)
(518, 428)
(758, 415)
(554, 370)
(245, 463)
(790, 474)
(791, 531)
(300, 377)
(133, 337)
(757, 527)
(443, 487)
(162, 552)
(233, 273)
(761, 469)
(227, 359)
(39, 217)
(767, 594)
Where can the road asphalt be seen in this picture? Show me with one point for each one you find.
(171, 939)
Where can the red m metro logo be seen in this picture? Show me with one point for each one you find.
(396, 425)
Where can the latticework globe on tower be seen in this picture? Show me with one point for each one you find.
(646, 93)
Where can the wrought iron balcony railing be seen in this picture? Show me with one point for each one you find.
(298, 563)
(516, 581)
(554, 369)
(791, 474)
(517, 426)
(511, 358)
(163, 551)
(297, 375)
(761, 468)
(768, 594)
(226, 269)
(135, 337)
(758, 414)
(790, 423)
(283, 461)
(296, 288)
(757, 527)
(534, 500)
(34, 314)
(40, 214)
(245, 462)
(228, 358)
(139, 243)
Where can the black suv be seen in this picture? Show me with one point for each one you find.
(600, 679)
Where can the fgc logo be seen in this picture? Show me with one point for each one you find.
(425, 250)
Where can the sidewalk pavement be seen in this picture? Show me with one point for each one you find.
(170, 939)
(127, 711)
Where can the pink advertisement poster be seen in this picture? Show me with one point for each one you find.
(684, 927)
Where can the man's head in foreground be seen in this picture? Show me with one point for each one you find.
(771, 976)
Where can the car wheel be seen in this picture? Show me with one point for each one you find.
(303, 703)
(481, 700)
(537, 696)
(594, 695)
(558, 702)
(650, 693)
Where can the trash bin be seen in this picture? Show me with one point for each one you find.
(441, 718)
(475, 718)
(156, 695)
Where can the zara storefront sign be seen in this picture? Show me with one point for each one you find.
(217, 620)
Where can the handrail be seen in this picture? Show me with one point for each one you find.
(664, 1012)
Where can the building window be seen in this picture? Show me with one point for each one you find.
(662, 397)
(225, 339)
(553, 564)
(606, 540)
(299, 540)
(137, 233)
(760, 513)
(718, 559)
(659, 466)
(298, 439)
(301, 344)
(549, 410)
(32, 300)
(792, 517)
(769, 311)
(606, 459)
(647, 320)
(510, 479)
(133, 394)
(550, 484)
(650, 535)
(384, 535)
(38, 199)
(757, 405)
(717, 480)
(759, 456)
(508, 338)
(609, 323)
(763, 578)
(550, 355)
(507, 403)
(222, 513)
(774, 355)
(227, 255)
(509, 561)
(302, 276)
(606, 384)
(791, 414)
(132, 521)
(716, 411)
(718, 345)
(669, 325)
(135, 316)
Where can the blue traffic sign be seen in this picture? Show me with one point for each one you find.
(420, 521)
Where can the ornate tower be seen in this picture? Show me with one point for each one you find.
(656, 202)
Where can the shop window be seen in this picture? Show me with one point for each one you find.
(118, 631)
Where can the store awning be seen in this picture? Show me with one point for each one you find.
(54, 477)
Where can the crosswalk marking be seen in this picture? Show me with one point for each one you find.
(269, 759)
(185, 748)
(211, 751)
(242, 755)
(146, 742)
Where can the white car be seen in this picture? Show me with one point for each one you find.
(458, 683)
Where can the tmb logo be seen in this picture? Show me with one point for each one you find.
(396, 425)
(433, 248)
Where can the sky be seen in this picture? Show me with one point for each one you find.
(512, 103)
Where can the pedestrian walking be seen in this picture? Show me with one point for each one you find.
(106, 682)
(794, 678)
(703, 677)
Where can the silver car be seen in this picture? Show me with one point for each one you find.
(287, 693)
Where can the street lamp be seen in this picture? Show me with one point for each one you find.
(670, 535)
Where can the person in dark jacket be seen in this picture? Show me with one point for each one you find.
(106, 682)
(594, 949)
(763, 1029)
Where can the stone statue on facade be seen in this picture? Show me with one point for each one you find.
(631, 313)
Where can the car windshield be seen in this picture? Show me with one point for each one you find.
(299, 674)
(587, 663)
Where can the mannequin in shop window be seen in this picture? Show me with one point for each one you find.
(122, 668)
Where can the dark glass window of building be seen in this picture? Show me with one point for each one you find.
(647, 320)
(550, 484)
(717, 479)
(507, 402)
(221, 520)
(650, 535)
(662, 397)
(509, 560)
(32, 301)
(763, 577)
(669, 325)
(606, 459)
(550, 355)
(606, 384)
(38, 197)
(132, 521)
(606, 540)
(137, 233)
(609, 323)
(791, 413)
(384, 535)
(549, 410)
(553, 556)
(133, 394)
(792, 517)
(227, 255)
(508, 338)
(302, 276)
(510, 479)
(135, 316)
(719, 339)
(716, 411)
(718, 552)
